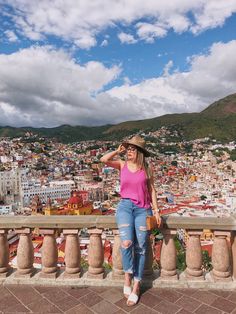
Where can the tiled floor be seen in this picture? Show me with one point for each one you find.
(108, 300)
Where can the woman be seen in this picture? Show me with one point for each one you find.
(138, 196)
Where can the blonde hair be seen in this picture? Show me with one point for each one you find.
(142, 164)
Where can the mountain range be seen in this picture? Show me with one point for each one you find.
(217, 121)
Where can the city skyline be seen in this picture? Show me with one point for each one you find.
(107, 62)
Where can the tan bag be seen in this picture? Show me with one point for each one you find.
(151, 222)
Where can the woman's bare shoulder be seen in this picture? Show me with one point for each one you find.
(122, 163)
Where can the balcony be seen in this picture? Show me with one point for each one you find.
(99, 290)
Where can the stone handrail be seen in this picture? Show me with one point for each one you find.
(96, 221)
(223, 252)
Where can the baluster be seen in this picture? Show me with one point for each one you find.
(221, 257)
(117, 267)
(168, 256)
(4, 254)
(148, 270)
(72, 253)
(49, 254)
(25, 253)
(194, 256)
(234, 254)
(95, 255)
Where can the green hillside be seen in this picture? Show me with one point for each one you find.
(223, 107)
(64, 133)
(67, 133)
(217, 121)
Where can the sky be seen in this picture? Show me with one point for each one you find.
(100, 62)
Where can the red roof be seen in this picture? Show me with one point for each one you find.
(75, 200)
(83, 192)
(170, 210)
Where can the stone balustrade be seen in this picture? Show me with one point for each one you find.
(223, 252)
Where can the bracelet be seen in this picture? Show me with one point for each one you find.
(156, 211)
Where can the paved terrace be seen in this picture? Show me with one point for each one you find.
(72, 290)
(107, 300)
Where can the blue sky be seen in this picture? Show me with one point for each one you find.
(92, 63)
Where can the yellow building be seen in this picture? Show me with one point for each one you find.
(193, 178)
(75, 206)
(207, 235)
(78, 206)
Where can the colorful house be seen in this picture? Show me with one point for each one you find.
(77, 204)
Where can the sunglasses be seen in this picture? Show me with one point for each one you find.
(131, 148)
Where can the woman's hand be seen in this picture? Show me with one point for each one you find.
(158, 218)
(108, 158)
(120, 149)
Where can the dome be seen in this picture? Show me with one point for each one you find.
(75, 199)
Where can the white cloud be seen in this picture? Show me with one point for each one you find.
(126, 38)
(127, 81)
(11, 36)
(85, 42)
(167, 68)
(81, 22)
(211, 77)
(178, 22)
(53, 89)
(149, 32)
(104, 43)
(212, 14)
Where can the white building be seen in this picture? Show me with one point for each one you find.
(10, 182)
(5, 159)
(6, 209)
(231, 202)
(18, 157)
(54, 190)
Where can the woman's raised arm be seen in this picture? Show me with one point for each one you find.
(107, 158)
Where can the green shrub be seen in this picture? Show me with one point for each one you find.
(206, 261)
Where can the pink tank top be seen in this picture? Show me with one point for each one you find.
(133, 185)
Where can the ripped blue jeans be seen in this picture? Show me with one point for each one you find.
(131, 221)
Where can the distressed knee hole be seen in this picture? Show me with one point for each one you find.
(126, 244)
(123, 225)
(122, 233)
(140, 250)
(143, 228)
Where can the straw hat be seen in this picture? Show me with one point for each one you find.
(139, 142)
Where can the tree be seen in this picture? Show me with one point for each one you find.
(233, 155)
(181, 255)
(206, 261)
(98, 179)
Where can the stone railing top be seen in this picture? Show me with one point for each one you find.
(200, 223)
(74, 222)
(94, 221)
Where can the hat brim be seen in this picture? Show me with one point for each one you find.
(145, 152)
